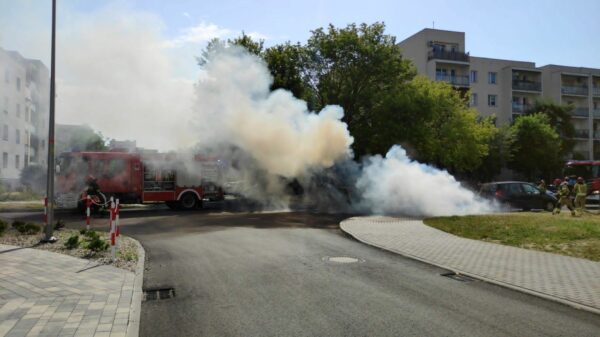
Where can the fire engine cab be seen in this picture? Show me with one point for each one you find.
(138, 178)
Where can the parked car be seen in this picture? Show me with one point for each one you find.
(518, 194)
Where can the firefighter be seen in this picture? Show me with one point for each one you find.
(92, 188)
(564, 199)
(542, 186)
(580, 195)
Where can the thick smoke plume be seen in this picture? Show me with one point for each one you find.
(236, 107)
(271, 137)
(398, 185)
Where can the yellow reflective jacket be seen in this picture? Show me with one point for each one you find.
(580, 189)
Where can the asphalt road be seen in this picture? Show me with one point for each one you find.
(245, 274)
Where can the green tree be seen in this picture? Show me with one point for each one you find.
(559, 116)
(359, 68)
(287, 64)
(246, 41)
(536, 147)
(499, 155)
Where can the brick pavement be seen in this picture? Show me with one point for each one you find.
(570, 280)
(49, 294)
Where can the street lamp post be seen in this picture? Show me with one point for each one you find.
(50, 178)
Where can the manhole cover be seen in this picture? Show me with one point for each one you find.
(342, 259)
(158, 294)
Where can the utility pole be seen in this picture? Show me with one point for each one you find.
(50, 178)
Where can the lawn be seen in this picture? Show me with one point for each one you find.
(561, 234)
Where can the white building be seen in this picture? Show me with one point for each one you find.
(24, 98)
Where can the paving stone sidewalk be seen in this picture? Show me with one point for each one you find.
(565, 279)
(49, 294)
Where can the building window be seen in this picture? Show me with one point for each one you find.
(27, 117)
(492, 100)
(25, 161)
(473, 76)
(5, 133)
(4, 160)
(18, 136)
(18, 84)
(17, 161)
(473, 99)
(492, 77)
(18, 110)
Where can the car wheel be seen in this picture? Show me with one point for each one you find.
(549, 206)
(188, 201)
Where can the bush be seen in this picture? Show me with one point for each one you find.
(26, 228)
(59, 225)
(3, 226)
(72, 242)
(82, 231)
(94, 242)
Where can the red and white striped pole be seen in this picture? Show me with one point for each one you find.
(87, 212)
(112, 229)
(117, 226)
(46, 211)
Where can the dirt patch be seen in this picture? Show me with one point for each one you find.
(126, 255)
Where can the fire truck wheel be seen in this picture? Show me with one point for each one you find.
(188, 201)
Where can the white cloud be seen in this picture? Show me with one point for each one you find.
(201, 33)
(257, 36)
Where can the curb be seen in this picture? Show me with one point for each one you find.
(135, 308)
(478, 277)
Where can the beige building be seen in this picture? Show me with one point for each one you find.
(24, 100)
(507, 88)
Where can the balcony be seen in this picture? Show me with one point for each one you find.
(596, 91)
(526, 85)
(596, 113)
(597, 134)
(448, 55)
(574, 90)
(581, 133)
(580, 112)
(457, 80)
(520, 108)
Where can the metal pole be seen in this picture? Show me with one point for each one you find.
(50, 177)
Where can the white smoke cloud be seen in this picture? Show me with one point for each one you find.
(398, 185)
(236, 107)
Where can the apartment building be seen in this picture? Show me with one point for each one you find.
(507, 88)
(24, 100)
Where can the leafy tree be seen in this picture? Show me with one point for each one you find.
(559, 116)
(286, 63)
(246, 41)
(359, 68)
(78, 138)
(536, 147)
(499, 155)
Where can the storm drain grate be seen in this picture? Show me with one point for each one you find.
(158, 294)
(458, 277)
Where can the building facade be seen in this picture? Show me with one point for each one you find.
(508, 88)
(24, 99)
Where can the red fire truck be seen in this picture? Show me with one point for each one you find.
(588, 169)
(138, 178)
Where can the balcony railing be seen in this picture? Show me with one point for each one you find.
(582, 133)
(526, 85)
(448, 55)
(580, 112)
(597, 134)
(596, 113)
(596, 91)
(516, 107)
(574, 90)
(458, 80)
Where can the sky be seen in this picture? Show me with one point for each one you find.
(118, 56)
